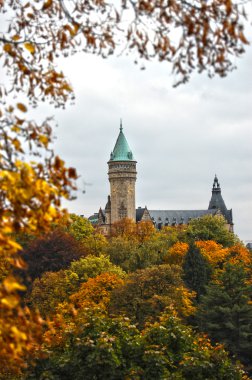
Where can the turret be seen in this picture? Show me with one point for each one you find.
(217, 203)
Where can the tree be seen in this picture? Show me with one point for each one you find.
(96, 291)
(51, 252)
(197, 270)
(48, 291)
(211, 227)
(79, 227)
(225, 311)
(99, 347)
(82, 230)
(215, 254)
(53, 288)
(129, 230)
(91, 266)
(176, 254)
(21, 331)
(146, 293)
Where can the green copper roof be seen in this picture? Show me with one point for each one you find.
(121, 150)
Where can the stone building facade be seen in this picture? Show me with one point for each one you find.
(121, 201)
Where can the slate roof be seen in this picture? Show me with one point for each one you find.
(170, 217)
(139, 213)
(121, 150)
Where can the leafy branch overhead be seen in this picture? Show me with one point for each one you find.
(191, 35)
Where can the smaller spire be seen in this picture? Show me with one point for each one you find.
(216, 185)
(121, 128)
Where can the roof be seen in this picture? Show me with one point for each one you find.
(175, 217)
(170, 217)
(93, 218)
(121, 150)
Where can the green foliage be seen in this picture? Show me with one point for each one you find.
(132, 255)
(211, 228)
(225, 312)
(197, 270)
(80, 228)
(91, 266)
(113, 349)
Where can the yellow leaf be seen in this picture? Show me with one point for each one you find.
(44, 140)
(22, 107)
(18, 334)
(15, 245)
(16, 144)
(10, 284)
(16, 37)
(67, 87)
(30, 47)
(10, 301)
(7, 48)
(15, 128)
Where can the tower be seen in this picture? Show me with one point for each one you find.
(122, 178)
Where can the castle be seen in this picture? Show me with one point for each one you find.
(121, 201)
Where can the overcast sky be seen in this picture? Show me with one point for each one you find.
(180, 137)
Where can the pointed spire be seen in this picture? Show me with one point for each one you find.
(216, 185)
(121, 150)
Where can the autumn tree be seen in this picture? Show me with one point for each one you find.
(211, 227)
(91, 266)
(146, 293)
(50, 253)
(99, 347)
(21, 330)
(96, 291)
(176, 253)
(217, 255)
(53, 288)
(48, 291)
(132, 255)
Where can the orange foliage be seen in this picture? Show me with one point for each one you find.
(96, 291)
(212, 251)
(238, 254)
(176, 253)
(130, 230)
(217, 255)
(93, 295)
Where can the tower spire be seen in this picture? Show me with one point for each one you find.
(121, 151)
(216, 185)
